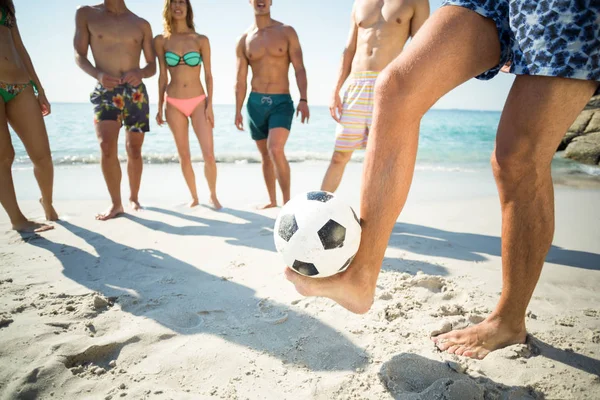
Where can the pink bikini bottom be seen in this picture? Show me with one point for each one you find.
(186, 106)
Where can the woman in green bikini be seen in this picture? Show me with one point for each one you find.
(20, 107)
(181, 52)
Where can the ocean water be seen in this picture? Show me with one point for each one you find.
(449, 140)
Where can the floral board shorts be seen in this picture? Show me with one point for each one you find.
(125, 104)
(551, 37)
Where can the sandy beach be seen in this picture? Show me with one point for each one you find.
(173, 303)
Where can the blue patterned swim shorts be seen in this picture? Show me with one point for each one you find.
(544, 37)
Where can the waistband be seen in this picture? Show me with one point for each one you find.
(272, 96)
(364, 75)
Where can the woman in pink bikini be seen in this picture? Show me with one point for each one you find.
(181, 51)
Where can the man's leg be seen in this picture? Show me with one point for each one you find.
(538, 112)
(454, 45)
(108, 136)
(276, 144)
(334, 173)
(268, 173)
(135, 166)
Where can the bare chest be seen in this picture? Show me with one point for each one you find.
(377, 14)
(270, 43)
(115, 30)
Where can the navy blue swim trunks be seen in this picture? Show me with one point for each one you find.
(544, 37)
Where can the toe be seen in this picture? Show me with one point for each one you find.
(452, 349)
(460, 350)
(444, 344)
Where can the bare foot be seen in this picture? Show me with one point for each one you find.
(112, 212)
(480, 340)
(31, 227)
(353, 289)
(193, 203)
(51, 214)
(267, 206)
(135, 205)
(214, 203)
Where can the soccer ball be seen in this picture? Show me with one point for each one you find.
(317, 234)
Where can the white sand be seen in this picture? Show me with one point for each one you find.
(172, 303)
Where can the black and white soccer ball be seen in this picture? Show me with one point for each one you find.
(317, 234)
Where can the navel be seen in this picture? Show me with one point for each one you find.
(398, 20)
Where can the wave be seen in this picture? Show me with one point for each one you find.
(560, 164)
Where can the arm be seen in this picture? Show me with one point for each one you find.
(241, 85)
(163, 77)
(150, 69)
(335, 107)
(297, 61)
(81, 42)
(208, 78)
(419, 17)
(24, 55)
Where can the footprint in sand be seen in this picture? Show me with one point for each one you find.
(409, 374)
(271, 313)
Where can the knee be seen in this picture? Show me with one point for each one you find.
(185, 159)
(43, 160)
(7, 157)
(396, 90)
(108, 149)
(276, 152)
(134, 151)
(209, 159)
(511, 165)
(341, 158)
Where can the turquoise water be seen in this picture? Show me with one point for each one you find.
(449, 140)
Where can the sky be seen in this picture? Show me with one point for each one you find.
(47, 29)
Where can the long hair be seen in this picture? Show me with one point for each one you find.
(168, 18)
(10, 6)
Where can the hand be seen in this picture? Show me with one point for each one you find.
(506, 67)
(335, 107)
(134, 78)
(239, 121)
(160, 120)
(109, 82)
(303, 109)
(210, 115)
(44, 104)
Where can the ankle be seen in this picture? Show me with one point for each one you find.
(510, 321)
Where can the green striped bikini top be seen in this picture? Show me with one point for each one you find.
(6, 19)
(192, 59)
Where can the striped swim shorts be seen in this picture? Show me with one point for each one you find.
(357, 113)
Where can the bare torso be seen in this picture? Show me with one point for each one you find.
(383, 29)
(12, 69)
(115, 40)
(185, 80)
(267, 51)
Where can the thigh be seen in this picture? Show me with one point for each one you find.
(6, 148)
(263, 148)
(25, 116)
(179, 125)
(277, 138)
(203, 130)
(454, 45)
(538, 112)
(107, 133)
